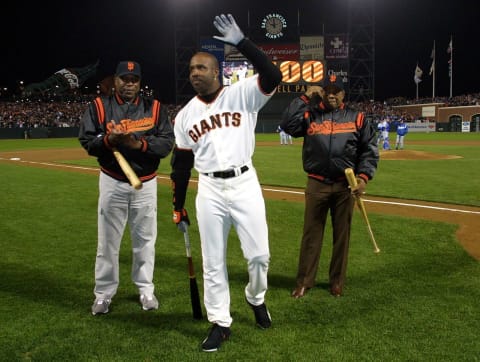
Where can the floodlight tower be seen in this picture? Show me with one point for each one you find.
(361, 29)
(186, 44)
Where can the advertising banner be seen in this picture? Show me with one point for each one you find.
(336, 46)
(312, 48)
(281, 51)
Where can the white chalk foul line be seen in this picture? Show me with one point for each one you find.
(59, 165)
(267, 189)
(423, 206)
(389, 203)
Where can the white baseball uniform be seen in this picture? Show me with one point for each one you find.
(221, 135)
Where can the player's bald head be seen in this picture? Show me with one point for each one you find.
(205, 58)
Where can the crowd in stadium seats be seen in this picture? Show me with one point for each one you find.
(67, 113)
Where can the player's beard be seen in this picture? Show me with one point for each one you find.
(200, 86)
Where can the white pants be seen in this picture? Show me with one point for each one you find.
(399, 141)
(119, 203)
(221, 203)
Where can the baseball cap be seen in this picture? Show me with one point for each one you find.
(128, 67)
(333, 84)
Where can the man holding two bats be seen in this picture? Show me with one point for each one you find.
(335, 138)
(129, 134)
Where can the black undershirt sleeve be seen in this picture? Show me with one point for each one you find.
(182, 163)
(269, 75)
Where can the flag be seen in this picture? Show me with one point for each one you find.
(418, 75)
(450, 51)
(432, 56)
(62, 81)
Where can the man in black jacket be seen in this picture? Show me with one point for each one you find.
(141, 130)
(335, 138)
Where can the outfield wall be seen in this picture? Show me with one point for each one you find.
(41, 132)
(267, 124)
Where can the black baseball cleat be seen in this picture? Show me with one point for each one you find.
(262, 316)
(215, 338)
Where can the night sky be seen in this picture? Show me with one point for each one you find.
(48, 36)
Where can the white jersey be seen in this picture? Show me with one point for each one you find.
(221, 134)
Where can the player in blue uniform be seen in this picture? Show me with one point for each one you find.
(402, 130)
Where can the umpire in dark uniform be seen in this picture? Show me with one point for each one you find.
(335, 138)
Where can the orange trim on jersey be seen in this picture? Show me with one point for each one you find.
(305, 99)
(100, 110)
(323, 178)
(363, 176)
(121, 101)
(155, 110)
(359, 120)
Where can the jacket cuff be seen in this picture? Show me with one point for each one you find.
(363, 177)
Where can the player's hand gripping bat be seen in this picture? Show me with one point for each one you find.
(127, 170)
(194, 294)
(124, 165)
(352, 181)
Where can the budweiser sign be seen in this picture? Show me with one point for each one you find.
(281, 51)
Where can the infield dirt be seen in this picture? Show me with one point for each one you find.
(464, 216)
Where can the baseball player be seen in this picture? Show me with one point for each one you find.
(215, 133)
(402, 130)
(380, 127)
(283, 136)
(385, 134)
(140, 129)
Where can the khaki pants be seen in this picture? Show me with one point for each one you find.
(319, 199)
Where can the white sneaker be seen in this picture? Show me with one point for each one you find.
(100, 306)
(148, 302)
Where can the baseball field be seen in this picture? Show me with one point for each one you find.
(417, 300)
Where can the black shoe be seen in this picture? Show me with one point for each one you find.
(215, 338)
(262, 316)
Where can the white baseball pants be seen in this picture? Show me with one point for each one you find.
(221, 203)
(118, 204)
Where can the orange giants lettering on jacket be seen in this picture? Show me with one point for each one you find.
(328, 127)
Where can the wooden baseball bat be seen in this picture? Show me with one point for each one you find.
(194, 294)
(352, 181)
(127, 170)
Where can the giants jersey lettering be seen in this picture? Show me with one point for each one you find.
(221, 134)
(226, 119)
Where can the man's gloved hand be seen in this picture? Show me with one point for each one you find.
(227, 26)
(180, 215)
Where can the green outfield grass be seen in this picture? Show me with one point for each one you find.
(415, 301)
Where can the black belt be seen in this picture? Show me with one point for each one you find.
(227, 174)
